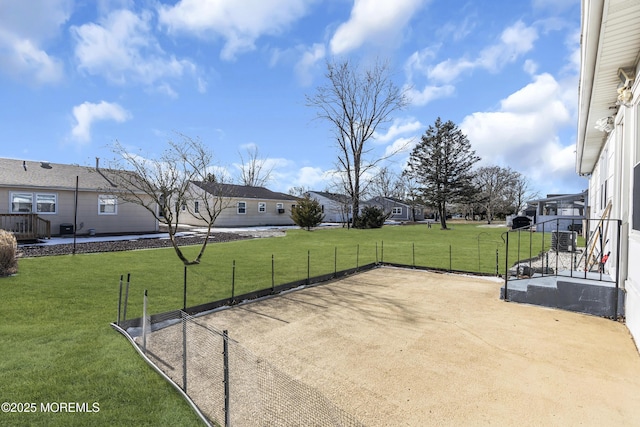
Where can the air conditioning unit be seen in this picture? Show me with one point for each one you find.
(564, 241)
(280, 211)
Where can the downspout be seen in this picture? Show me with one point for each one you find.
(592, 12)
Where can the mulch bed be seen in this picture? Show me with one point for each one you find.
(35, 250)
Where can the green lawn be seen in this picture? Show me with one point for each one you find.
(57, 345)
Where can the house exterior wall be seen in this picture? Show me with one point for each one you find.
(229, 216)
(612, 182)
(333, 210)
(129, 218)
(397, 211)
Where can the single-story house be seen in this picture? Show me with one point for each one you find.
(608, 144)
(397, 209)
(557, 212)
(38, 199)
(242, 205)
(335, 207)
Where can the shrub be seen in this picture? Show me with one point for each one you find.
(307, 213)
(8, 254)
(371, 217)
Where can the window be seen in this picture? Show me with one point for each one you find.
(21, 202)
(196, 207)
(45, 203)
(397, 211)
(262, 207)
(107, 205)
(184, 207)
(280, 208)
(242, 208)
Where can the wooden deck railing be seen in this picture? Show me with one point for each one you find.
(26, 226)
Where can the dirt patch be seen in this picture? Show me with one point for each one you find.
(405, 347)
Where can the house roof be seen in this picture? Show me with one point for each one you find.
(610, 41)
(340, 198)
(242, 191)
(53, 176)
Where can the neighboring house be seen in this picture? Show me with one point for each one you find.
(397, 209)
(608, 145)
(557, 212)
(242, 205)
(335, 207)
(38, 199)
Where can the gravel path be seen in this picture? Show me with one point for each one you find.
(36, 250)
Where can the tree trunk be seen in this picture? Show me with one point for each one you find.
(443, 216)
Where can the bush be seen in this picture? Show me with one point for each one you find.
(371, 217)
(307, 213)
(8, 254)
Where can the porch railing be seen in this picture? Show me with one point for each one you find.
(26, 226)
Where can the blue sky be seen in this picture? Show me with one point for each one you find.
(75, 76)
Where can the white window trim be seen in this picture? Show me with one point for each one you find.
(102, 197)
(20, 193)
(55, 203)
(262, 207)
(396, 211)
(34, 202)
(238, 208)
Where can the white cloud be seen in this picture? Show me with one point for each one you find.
(373, 21)
(121, 47)
(399, 127)
(312, 177)
(87, 113)
(428, 94)
(400, 145)
(24, 28)
(308, 62)
(523, 134)
(515, 41)
(239, 23)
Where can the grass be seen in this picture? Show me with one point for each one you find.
(57, 345)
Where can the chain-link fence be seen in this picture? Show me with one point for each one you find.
(229, 384)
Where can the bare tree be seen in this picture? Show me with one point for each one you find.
(356, 103)
(522, 192)
(495, 189)
(385, 183)
(165, 185)
(254, 170)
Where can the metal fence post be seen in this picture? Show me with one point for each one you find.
(497, 263)
(144, 323)
(506, 268)
(126, 298)
(184, 351)
(227, 397)
(120, 300)
(308, 266)
(413, 253)
(184, 292)
(233, 280)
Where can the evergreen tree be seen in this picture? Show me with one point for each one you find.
(307, 213)
(441, 164)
